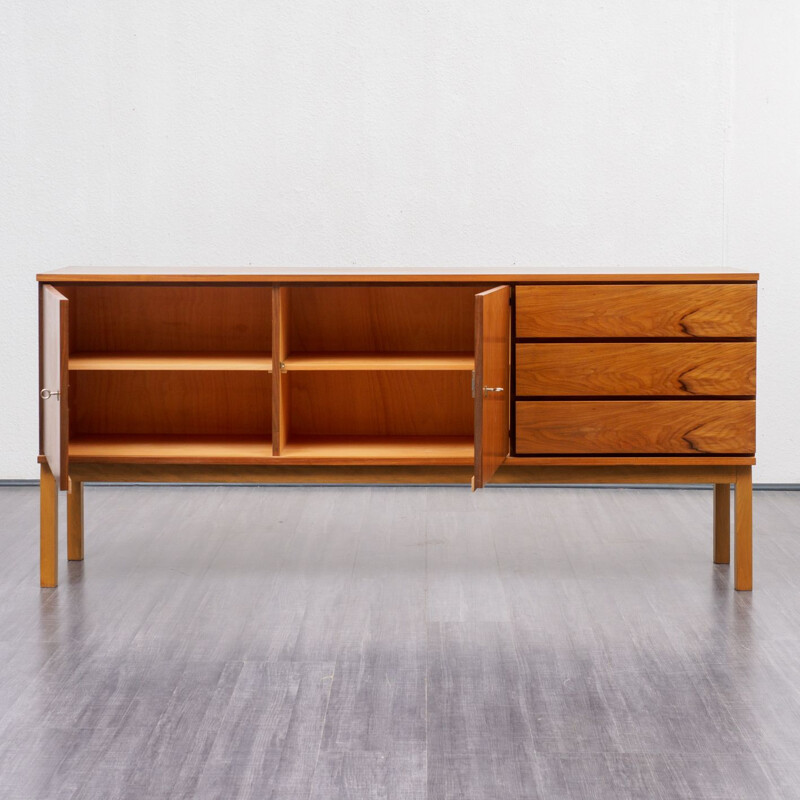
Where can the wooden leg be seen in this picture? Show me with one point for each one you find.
(48, 528)
(743, 554)
(722, 523)
(75, 521)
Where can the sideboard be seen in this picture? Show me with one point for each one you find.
(239, 375)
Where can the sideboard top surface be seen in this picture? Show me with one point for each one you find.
(410, 275)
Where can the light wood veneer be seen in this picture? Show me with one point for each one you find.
(684, 427)
(421, 376)
(170, 362)
(681, 369)
(622, 310)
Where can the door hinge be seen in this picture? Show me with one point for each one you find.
(473, 384)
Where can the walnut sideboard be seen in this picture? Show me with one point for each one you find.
(240, 375)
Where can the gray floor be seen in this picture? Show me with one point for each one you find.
(396, 643)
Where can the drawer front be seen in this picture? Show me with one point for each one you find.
(637, 310)
(679, 369)
(616, 427)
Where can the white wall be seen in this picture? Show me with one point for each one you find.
(470, 134)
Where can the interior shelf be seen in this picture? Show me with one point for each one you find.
(191, 361)
(374, 450)
(371, 361)
(375, 375)
(380, 450)
(171, 449)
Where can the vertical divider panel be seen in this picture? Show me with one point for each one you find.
(280, 378)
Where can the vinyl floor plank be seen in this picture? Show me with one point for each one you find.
(400, 774)
(375, 709)
(268, 741)
(399, 642)
(464, 581)
(475, 688)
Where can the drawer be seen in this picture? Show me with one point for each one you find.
(636, 368)
(675, 310)
(685, 427)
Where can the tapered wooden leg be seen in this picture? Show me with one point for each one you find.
(48, 528)
(722, 523)
(75, 521)
(743, 531)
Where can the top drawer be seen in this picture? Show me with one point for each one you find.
(686, 311)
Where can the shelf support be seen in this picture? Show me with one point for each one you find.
(280, 378)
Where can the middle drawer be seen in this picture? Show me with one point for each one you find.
(605, 369)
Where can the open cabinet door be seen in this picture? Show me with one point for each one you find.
(53, 406)
(492, 357)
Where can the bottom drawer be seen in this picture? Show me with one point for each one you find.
(685, 427)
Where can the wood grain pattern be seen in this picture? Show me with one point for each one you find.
(143, 318)
(170, 362)
(286, 275)
(171, 403)
(381, 319)
(54, 412)
(492, 381)
(403, 362)
(615, 311)
(628, 461)
(643, 474)
(636, 368)
(643, 426)
(743, 530)
(75, 521)
(280, 381)
(379, 450)
(722, 523)
(606, 663)
(127, 471)
(152, 448)
(380, 404)
(48, 527)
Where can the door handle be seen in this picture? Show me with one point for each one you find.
(487, 389)
(46, 394)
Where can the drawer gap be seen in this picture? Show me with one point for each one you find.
(607, 454)
(629, 339)
(623, 397)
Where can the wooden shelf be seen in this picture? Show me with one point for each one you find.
(250, 362)
(365, 450)
(456, 362)
(380, 450)
(171, 449)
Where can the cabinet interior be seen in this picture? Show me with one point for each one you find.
(380, 373)
(185, 320)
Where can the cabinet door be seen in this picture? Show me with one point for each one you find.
(54, 373)
(492, 356)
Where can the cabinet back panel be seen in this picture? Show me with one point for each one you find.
(177, 403)
(382, 318)
(380, 403)
(171, 318)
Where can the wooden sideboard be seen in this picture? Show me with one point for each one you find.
(245, 376)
